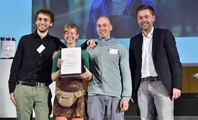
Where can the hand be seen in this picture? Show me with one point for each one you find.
(176, 93)
(54, 54)
(87, 75)
(12, 98)
(59, 63)
(124, 105)
(91, 43)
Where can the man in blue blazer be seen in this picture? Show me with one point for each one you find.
(155, 68)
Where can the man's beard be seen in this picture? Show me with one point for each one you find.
(43, 31)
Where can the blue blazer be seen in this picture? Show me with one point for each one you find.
(165, 57)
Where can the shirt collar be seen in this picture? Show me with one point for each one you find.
(150, 33)
(108, 39)
(36, 35)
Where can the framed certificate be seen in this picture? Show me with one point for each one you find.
(71, 62)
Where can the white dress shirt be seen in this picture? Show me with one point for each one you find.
(148, 68)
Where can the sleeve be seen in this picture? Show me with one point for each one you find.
(85, 58)
(16, 64)
(174, 60)
(132, 63)
(54, 64)
(61, 45)
(126, 75)
(84, 45)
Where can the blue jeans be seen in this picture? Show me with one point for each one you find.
(98, 104)
(153, 95)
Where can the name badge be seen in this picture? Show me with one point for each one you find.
(40, 48)
(113, 51)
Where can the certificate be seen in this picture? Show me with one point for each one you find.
(71, 62)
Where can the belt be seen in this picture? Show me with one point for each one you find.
(32, 84)
(151, 79)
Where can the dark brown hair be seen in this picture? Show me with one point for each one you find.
(144, 7)
(47, 12)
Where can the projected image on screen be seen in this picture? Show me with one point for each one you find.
(176, 15)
